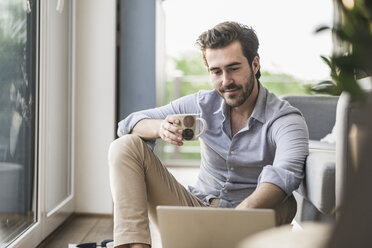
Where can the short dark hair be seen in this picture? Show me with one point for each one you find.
(224, 34)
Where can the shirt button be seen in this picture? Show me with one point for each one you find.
(232, 168)
(232, 152)
(225, 191)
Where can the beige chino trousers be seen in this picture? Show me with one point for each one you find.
(139, 183)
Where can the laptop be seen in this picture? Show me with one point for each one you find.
(204, 227)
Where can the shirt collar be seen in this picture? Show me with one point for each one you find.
(260, 107)
(222, 109)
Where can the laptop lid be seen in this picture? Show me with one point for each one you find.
(203, 227)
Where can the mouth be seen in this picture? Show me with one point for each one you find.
(232, 88)
(230, 91)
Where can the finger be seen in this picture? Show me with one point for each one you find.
(172, 128)
(175, 143)
(171, 141)
(172, 136)
(166, 125)
(173, 119)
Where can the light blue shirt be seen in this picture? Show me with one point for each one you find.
(272, 148)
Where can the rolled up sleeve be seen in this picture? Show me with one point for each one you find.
(289, 135)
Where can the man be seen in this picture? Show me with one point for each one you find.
(252, 153)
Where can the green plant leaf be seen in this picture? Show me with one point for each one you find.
(355, 34)
(327, 87)
(322, 28)
(327, 61)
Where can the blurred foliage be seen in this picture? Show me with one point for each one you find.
(191, 63)
(185, 156)
(354, 32)
(296, 88)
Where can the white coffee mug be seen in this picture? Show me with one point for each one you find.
(190, 123)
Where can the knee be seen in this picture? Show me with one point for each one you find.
(124, 146)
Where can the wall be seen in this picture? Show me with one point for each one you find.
(95, 124)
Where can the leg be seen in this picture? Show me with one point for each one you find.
(286, 211)
(139, 183)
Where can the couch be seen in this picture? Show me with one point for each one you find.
(316, 196)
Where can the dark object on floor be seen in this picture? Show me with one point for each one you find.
(94, 245)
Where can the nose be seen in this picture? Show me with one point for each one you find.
(226, 79)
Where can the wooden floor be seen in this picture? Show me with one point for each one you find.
(83, 228)
(78, 229)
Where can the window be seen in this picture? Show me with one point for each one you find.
(36, 184)
(289, 49)
(17, 117)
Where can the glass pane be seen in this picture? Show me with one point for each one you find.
(17, 118)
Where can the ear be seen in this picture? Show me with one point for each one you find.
(256, 64)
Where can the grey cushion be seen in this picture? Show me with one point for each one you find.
(319, 112)
(318, 145)
(318, 185)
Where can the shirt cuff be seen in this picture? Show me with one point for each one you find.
(125, 126)
(284, 179)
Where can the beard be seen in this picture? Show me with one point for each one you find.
(240, 97)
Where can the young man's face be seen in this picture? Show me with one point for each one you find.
(231, 74)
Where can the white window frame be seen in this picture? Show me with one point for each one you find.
(46, 222)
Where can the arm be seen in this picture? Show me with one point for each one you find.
(147, 129)
(266, 195)
(165, 129)
(147, 123)
(276, 181)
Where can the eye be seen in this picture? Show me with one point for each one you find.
(235, 68)
(216, 72)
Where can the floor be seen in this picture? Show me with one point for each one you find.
(94, 228)
(80, 228)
